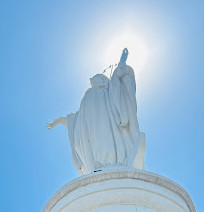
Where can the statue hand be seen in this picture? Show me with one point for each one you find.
(60, 120)
(53, 124)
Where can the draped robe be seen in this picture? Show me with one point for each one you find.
(105, 130)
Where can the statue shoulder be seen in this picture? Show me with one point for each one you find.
(88, 90)
(87, 93)
(121, 72)
(129, 68)
(130, 71)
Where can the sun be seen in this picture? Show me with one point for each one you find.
(138, 52)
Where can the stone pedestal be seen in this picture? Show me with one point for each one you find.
(123, 189)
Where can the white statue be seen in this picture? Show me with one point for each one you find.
(105, 131)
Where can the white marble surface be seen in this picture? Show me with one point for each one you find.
(122, 208)
(121, 189)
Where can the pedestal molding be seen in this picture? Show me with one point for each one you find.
(117, 174)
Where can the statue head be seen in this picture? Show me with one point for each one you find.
(99, 80)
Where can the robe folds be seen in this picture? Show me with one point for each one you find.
(105, 130)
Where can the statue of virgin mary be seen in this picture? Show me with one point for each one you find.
(105, 131)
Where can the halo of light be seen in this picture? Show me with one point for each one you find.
(138, 52)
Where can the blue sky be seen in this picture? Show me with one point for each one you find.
(49, 50)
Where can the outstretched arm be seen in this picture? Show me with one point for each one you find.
(60, 120)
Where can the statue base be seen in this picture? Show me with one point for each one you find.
(123, 189)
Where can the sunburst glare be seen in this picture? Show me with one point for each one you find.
(138, 52)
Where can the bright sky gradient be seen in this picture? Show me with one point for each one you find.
(50, 49)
